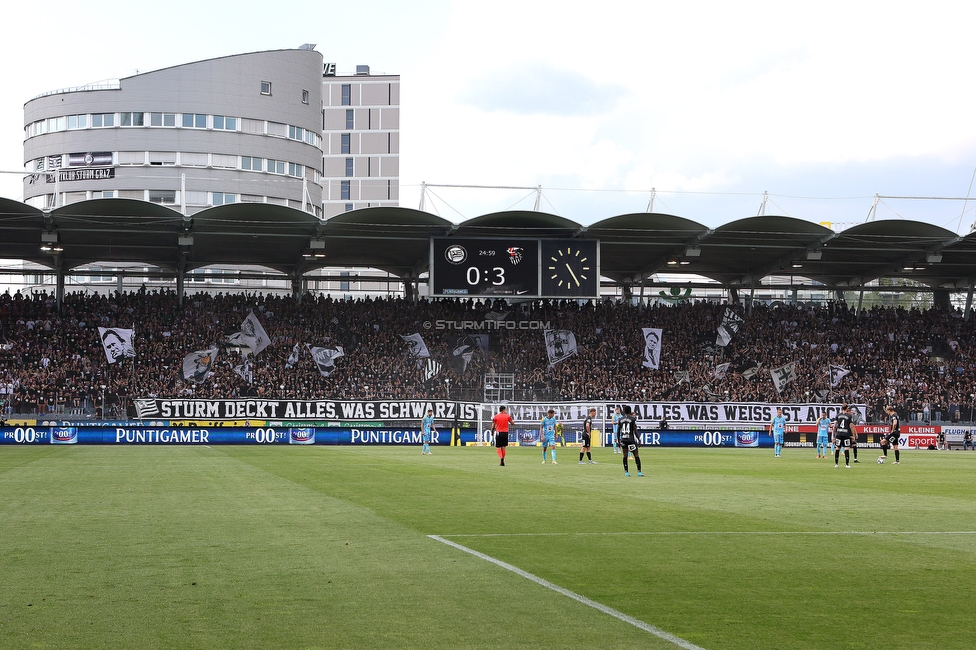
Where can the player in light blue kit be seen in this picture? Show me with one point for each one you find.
(777, 428)
(428, 432)
(616, 429)
(823, 435)
(547, 434)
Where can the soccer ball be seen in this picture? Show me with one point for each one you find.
(880, 460)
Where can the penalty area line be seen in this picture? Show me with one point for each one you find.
(641, 625)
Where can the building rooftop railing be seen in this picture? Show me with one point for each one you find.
(105, 84)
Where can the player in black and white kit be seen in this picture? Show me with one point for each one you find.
(587, 434)
(844, 433)
(890, 439)
(629, 441)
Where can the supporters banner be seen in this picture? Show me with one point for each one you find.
(560, 345)
(652, 347)
(678, 414)
(117, 343)
(324, 410)
(253, 334)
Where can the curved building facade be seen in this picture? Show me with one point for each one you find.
(242, 128)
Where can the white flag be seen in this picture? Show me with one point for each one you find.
(783, 376)
(431, 370)
(293, 357)
(245, 372)
(197, 366)
(325, 358)
(416, 346)
(837, 373)
(652, 347)
(683, 377)
(117, 343)
(721, 370)
(560, 344)
(731, 322)
(253, 334)
(145, 408)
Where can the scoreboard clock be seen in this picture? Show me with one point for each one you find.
(533, 268)
(569, 268)
(485, 267)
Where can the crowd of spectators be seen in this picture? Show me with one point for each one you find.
(53, 362)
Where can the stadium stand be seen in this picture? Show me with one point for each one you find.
(55, 364)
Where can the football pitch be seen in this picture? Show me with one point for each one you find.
(366, 547)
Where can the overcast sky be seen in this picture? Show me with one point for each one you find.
(822, 104)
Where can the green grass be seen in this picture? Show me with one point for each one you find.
(325, 547)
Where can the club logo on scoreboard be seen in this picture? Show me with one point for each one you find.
(515, 254)
(455, 254)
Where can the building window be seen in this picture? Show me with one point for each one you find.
(348, 207)
(252, 163)
(165, 197)
(276, 166)
(304, 96)
(162, 119)
(224, 123)
(344, 143)
(296, 132)
(132, 119)
(349, 167)
(346, 94)
(265, 87)
(77, 122)
(295, 170)
(106, 194)
(194, 121)
(103, 120)
(350, 119)
(220, 198)
(344, 190)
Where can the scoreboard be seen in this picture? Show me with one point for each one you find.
(533, 268)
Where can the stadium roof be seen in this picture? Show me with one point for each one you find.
(396, 240)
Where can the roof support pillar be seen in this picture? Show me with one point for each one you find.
(59, 290)
(297, 283)
(860, 301)
(750, 301)
(181, 279)
(940, 299)
(628, 291)
(734, 296)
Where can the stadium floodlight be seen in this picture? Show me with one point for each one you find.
(814, 255)
(185, 240)
(693, 251)
(933, 258)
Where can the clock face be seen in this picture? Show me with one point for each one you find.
(569, 268)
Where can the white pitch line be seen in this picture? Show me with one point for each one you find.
(728, 532)
(646, 627)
